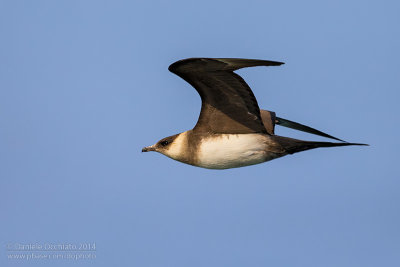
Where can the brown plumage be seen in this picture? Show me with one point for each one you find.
(231, 130)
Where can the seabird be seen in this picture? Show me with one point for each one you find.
(231, 130)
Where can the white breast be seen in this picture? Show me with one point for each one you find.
(233, 150)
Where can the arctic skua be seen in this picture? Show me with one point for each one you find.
(231, 130)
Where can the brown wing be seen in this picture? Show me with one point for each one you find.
(268, 118)
(302, 127)
(228, 104)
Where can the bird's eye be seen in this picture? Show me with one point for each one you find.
(164, 143)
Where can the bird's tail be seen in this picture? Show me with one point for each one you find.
(292, 146)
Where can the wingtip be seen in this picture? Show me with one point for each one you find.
(229, 63)
(270, 62)
(274, 63)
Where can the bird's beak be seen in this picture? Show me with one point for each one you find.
(148, 148)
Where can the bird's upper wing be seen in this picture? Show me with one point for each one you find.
(228, 104)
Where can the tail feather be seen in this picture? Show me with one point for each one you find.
(292, 146)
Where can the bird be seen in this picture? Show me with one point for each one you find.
(231, 131)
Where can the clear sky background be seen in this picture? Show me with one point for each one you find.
(84, 86)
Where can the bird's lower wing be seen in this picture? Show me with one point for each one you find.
(270, 120)
(303, 128)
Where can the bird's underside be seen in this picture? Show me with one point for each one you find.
(231, 130)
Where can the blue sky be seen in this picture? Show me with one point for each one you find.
(84, 86)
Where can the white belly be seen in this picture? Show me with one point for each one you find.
(233, 150)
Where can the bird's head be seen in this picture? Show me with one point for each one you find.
(169, 146)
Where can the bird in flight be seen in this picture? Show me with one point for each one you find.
(232, 131)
